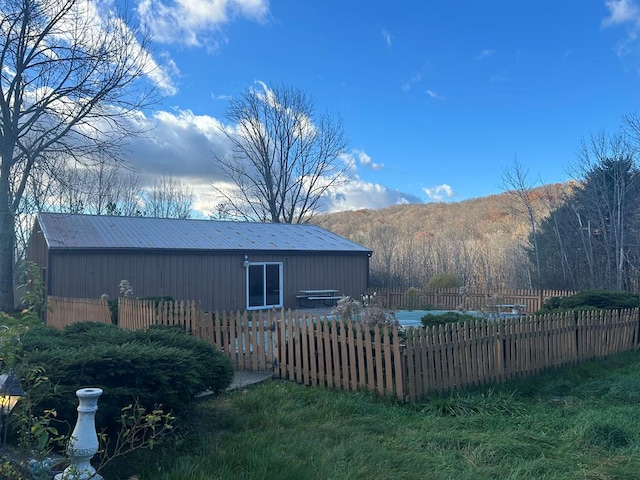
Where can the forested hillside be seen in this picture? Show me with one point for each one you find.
(482, 240)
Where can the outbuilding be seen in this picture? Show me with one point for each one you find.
(222, 265)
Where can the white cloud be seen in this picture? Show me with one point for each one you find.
(500, 77)
(100, 23)
(386, 36)
(621, 12)
(196, 23)
(359, 157)
(433, 94)
(624, 13)
(179, 143)
(439, 193)
(409, 83)
(184, 144)
(222, 97)
(358, 194)
(354, 195)
(486, 53)
(163, 75)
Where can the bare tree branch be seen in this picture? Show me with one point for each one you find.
(67, 87)
(168, 197)
(284, 157)
(516, 182)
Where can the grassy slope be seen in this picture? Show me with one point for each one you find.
(578, 423)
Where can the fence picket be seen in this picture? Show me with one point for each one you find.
(318, 374)
(343, 357)
(362, 369)
(411, 363)
(423, 378)
(305, 364)
(335, 355)
(328, 358)
(397, 364)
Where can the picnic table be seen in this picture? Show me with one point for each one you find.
(321, 296)
(515, 309)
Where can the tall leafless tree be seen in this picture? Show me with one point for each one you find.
(67, 86)
(384, 241)
(516, 183)
(283, 156)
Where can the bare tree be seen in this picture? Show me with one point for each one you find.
(515, 181)
(113, 189)
(67, 71)
(608, 164)
(283, 158)
(168, 197)
(221, 212)
(384, 241)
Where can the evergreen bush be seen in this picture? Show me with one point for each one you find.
(444, 280)
(158, 366)
(432, 319)
(592, 299)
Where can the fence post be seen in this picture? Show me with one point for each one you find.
(540, 299)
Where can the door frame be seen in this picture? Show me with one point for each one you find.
(264, 305)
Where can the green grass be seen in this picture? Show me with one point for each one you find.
(576, 423)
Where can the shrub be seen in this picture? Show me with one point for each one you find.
(444, 280)
(34, 299)
(431, 319)
(216, 377)
(157, 366)
(413, 298)
(592, 299)
(347, 309)
(368, 313)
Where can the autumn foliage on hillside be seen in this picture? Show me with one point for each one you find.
(483, 241)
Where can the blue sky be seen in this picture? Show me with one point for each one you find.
(437, 97)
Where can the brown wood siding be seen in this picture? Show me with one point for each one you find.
(37, 248)
(216, 281)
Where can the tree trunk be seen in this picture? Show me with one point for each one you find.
(7, 222)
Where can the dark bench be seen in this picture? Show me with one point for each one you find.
(328, 297)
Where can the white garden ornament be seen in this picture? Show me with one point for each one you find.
(83, 444)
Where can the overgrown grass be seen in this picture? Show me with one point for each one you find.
(576, 423)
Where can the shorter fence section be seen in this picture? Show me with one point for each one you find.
(134, 314)
(464, 298)
(65, 311)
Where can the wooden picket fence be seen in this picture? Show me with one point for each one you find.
(341, 355)
(483, 352)
(463, 298)
(65, 311)
(408, 364)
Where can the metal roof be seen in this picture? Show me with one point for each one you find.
(69, 231)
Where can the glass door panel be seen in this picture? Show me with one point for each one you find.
(264, 285)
